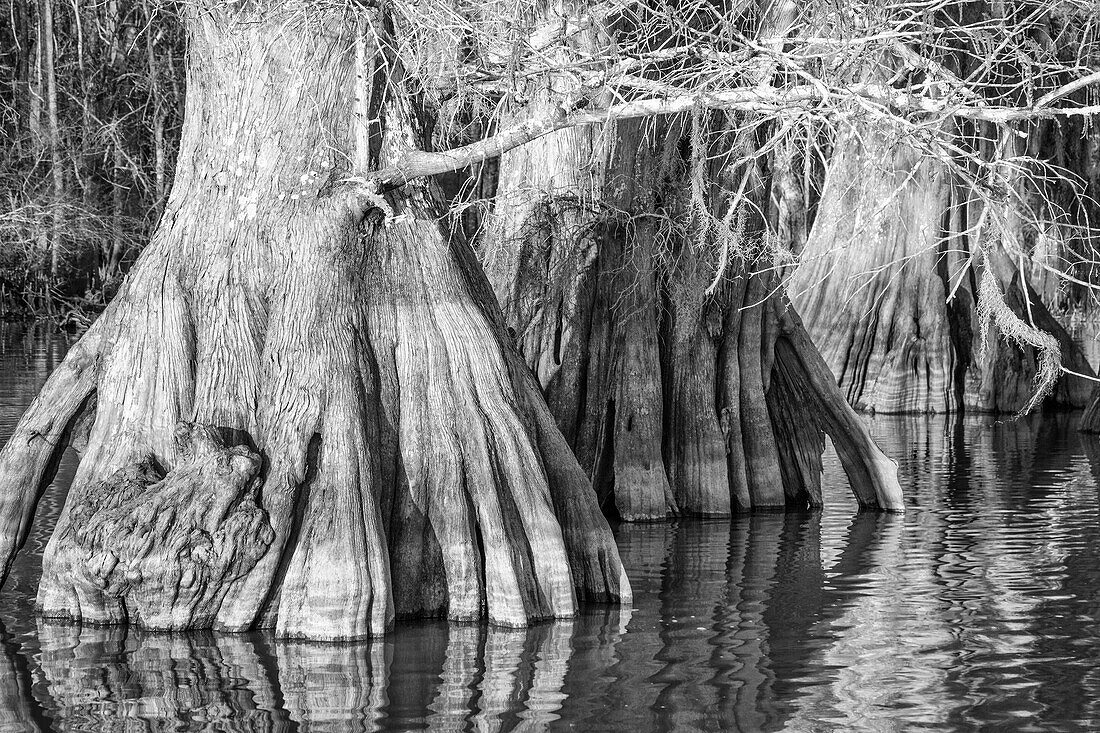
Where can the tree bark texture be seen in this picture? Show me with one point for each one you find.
(675, 399)
(888, 286)
(370, 444)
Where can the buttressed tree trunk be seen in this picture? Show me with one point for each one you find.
(888, 289)
(676, 399)
(295, 417)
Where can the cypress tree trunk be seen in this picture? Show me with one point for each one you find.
(889, 283)
(887, 340)
(691, 401)
(300, 419)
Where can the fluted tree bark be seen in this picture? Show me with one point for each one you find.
(657, 343)
(307, 380)
(890, 280)
(680, 391)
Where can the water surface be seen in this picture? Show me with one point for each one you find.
(976, 610)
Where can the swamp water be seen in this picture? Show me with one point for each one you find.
(978, 609)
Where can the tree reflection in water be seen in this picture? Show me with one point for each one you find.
(438, 677)
(716, 637)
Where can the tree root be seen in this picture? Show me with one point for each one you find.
(872, 475)
(29, 460)
(160, 549)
